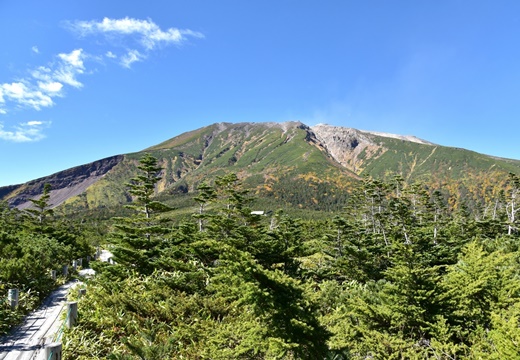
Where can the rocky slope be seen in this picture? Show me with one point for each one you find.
(346, 145)
(64, 184)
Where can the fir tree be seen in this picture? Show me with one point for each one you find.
(207, 194)
(41, 210)
(138, 238)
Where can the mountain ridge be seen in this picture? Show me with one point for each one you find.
(273, 159)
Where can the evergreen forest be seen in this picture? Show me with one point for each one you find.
(398, 273)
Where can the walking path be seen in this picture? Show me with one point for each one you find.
(40, 327)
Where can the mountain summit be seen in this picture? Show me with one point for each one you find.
(289, 162)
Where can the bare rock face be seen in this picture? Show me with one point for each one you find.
(347, 146)
(64, 184)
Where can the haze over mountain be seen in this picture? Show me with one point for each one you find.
(290, 162)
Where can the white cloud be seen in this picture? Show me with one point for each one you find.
(44, 83)
(26, 95)
(50, 87)
(131, 57)
(70, 66)
(14, 90)
(148, 33)
(42, 73)
(67, 76)
(24, 132)
(129, 32)
(73, 59)
(34, 123)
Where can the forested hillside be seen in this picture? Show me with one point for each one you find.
(399, 272)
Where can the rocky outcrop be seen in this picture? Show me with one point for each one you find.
(349, 147)
(64, 184)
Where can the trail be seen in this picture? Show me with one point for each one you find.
(39, 327)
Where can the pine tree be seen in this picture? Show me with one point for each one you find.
(282, 244)
(505, 333)
(281, 312)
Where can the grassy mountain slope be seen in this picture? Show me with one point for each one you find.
(285, 164)
(469, 176)
(270, 159)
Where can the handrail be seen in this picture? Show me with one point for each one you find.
(60, 331)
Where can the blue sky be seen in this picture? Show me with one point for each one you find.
(86, 79)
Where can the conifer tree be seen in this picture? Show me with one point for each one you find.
(207, 194)
(283, 243)
(41, 210)
(282, 313)
(478, 284)
(505, 333)
(137, 238)
(232, 213)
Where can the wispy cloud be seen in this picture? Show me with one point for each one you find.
(146, 32)
(138, 37)
(44, 83)
(26, 94)
(130, 41)
(37, 90)
(25, 132)
(131, 57)
(70, 67)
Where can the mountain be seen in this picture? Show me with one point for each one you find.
(289, 164)
(65, 184)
